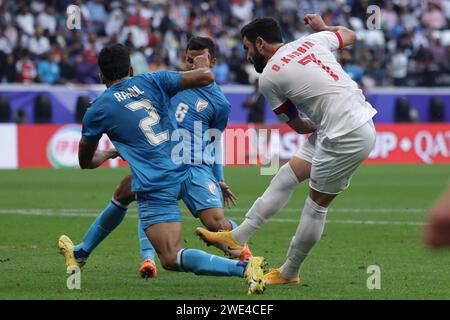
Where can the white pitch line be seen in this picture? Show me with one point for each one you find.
(299, 210)
(348, 210)
(91, 213)
(379, 222)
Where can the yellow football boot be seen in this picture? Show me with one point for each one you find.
(65, 246)
(254, 275)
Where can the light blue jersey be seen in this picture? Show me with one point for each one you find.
(136, 115)
(198, 110)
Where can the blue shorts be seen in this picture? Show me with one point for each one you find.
(199, 191)
(159, 206)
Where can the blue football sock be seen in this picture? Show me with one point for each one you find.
(202, 263)
(106, 222)
(234, 225)
(145, 246)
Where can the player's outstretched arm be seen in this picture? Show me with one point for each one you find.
(199, 77)
(90, 158)
(316, 22)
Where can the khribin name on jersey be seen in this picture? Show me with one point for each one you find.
(201, 105)
(132, 92)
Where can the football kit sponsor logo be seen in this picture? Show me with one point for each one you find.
(201, 105)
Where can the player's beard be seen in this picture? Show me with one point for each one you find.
(259, 62)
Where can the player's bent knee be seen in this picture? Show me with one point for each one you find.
(169, 262)
(168, 257)
(322, 199)
(171, 266)
(124, 195)
(301, 168)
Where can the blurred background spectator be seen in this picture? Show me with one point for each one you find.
(221, 71)
(411, 48)
(26, 69)
(399, 67)
(48, 70)
(350, 66)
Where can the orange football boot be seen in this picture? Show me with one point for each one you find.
(274, 276)
(148, 269)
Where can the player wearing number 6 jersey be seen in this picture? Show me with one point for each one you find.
(304, 75)
(134, 112)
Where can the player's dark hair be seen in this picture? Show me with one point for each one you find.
(202, 43)
(265, 27)
(114, 62)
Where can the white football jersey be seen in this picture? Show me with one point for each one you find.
(306, 72)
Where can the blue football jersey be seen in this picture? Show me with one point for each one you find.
(136, 115)
(198, 110)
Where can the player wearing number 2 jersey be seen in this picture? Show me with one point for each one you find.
(304, 75)
(196, 111)
(135, 113)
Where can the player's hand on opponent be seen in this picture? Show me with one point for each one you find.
(437, 231)
(202, 61)
(229, 198)
(315, 21)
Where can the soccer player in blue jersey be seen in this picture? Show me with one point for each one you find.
(197, 111)
(134, 112)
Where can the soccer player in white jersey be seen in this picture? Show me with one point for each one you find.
(304, 76)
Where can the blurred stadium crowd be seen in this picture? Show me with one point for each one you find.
(411, 48)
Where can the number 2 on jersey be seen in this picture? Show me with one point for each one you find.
(147, 123)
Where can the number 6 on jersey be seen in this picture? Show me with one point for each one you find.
(146, 124)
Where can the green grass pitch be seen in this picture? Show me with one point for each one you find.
(377, 221)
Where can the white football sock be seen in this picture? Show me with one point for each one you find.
(308, 232)
(274, 198)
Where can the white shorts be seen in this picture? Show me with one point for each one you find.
(334, 161)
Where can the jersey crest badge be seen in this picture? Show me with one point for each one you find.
(201, 105)
(212, 188)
